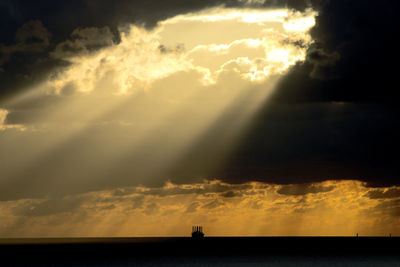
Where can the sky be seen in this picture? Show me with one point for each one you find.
(248, 117)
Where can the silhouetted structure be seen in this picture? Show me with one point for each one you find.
(197, 232)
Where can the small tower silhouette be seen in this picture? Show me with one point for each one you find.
(197, 232)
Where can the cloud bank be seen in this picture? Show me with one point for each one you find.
(250, 209)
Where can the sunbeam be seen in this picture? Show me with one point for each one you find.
(153, 103)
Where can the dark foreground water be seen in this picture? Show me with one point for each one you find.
(210, 251)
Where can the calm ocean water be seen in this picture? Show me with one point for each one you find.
(209, 251)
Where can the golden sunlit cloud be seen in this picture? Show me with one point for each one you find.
(144, 56)
(250, 209)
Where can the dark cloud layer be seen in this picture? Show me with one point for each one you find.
(333, 116)
(336, 114)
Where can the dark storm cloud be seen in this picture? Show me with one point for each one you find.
(334, 116)
(357, 40)
(33, 35)
(23, 58)
(323, 63)
(30, 37)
